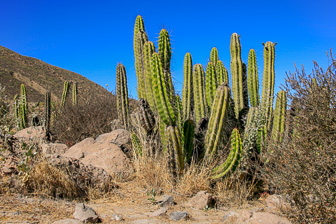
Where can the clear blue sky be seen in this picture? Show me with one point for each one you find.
(91, 37)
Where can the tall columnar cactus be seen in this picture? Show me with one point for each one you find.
(165, 57)
(187, 93)
(200, 104)
(149, 49)
(178, 105)
(279, 116)
(65, 93)
(163, 101)
(214, 56)
(211, 84)
(252, 79)
(232, 160)
(137, 147)
(218, 117)
(221, 73)
(268, 81)
(146, 116)
(188, 140)
(237, 74)
(140, 38)
(122, 96)
(23, 107)
(17, 111)
(175, 153)
(47, 115)
(74, 93)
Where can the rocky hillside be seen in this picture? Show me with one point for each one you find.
(39, 77)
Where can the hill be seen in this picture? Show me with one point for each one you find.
(39, 77)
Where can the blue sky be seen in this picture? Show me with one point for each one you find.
(91, 37)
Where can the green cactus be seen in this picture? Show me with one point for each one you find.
(146, 116)
(221, 73)
(237, 75)
(214, 56)
(122, 96)
(218, 117)
(17, 110)
(163, 101)
(65, 93)
(178, 105)
(47, 115)
(175, 153)
(200, 104)
(279, 116)
(188, 139)
(23, 108)
(137, 147)
(187, 93)
(252, 79)
(74, 93)
(233, 158)
(268, 81)
(149, 49)
(211, 84)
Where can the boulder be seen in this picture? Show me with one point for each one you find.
(276, 202)
(267, 218)
(31, 133)
(177, 216)
(201, 200)
(54, 148)
(85, 214)
(166, 201)
(160, 212)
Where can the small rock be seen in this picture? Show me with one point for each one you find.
(160, 212)
(147, 221)
(117, 217)
(202, 200)
(267, 218)
(85, 214)
(276, 202)
(177, 216)
(68, 221)
(244, 215)
(166, 201)
(231, 217)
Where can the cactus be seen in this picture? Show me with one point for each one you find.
(164, 103)
(268, 81)
(214, 56)
(200, 104)
(279, 116)
(187, 93)
(74, 93)
(211, 84)
(17, 111)
(65, 93)
(219, 113)
(221, 73)
(23, 108)
(178, 104)
(122, 96)
(47, 113)
(137, 147)
(252, 79)
(188, 139)
(237, 74)
(149, 49)
(232, 160)
(175, 154)
(146, 118)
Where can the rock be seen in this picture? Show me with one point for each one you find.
(201, 200)
(85, 214)
(54, 148)
(31, 133)
(244, 216)
(104, 155)
(276, 202)
(177, 216)
(166, 201)
(68, 221)
(267, 218)
(160, 212)
(117, 217)
(231, 217)
(147, 221)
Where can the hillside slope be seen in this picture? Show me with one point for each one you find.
(39, 77)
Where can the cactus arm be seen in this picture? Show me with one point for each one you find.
(200, 104)
(122, 96)
(221, 73)
(214, 56)
(279, 116)
(211, 84)
(149, 49)
(252, 79)
(187, 93)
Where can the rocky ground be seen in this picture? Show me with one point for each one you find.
(88, 166)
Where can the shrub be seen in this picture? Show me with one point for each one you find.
(303, 166)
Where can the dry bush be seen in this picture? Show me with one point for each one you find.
(87, 119)
(303, 166)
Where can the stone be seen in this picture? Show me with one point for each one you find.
(54, 148)
(177, 216)
(160, 212)
(117, 217)
(68, 221)
(231, 217)
(166, 201)
(85, 214)
(276, 202)
(31, 133)
(147, 221)
(201, 200)
(267, 218)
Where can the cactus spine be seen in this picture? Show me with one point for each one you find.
(187, 93)
(232, 160)
(268, 81)
(200, 103)
(65, 93)
(252, 79)
(122, 96)
(47, 106)
(237, 74)
(221, 73)
(211, 84)
(279, 116)
(74, 93)
(23, 108)
(214, 56)
(219, 113)
(149, 49)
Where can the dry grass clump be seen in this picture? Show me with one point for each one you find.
(45, 179)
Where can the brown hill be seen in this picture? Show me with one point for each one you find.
(39, 77)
